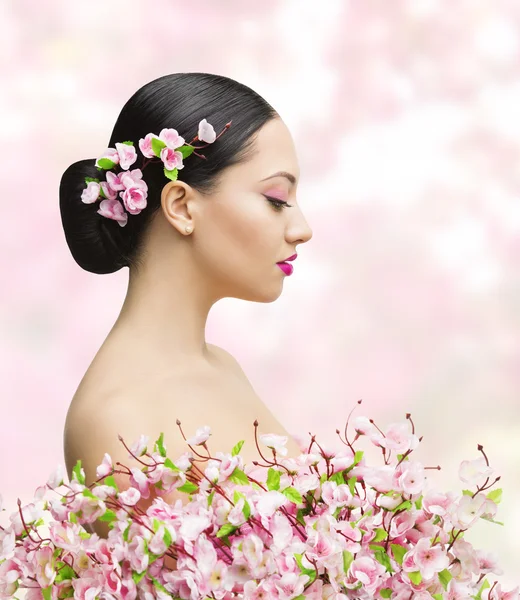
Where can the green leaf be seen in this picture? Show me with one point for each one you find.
(89, 179)
(337, 478)
(138, 576)
(386, 592)
(301, 596)
(108, 516)
(273, 479)
(415, 577)
(352, 485)
(381, 535)
(126, 532)
(63, 572)
(210, 498)
(398, 553)
(418, 503)
(109, 480)
(171, 174)
(157, 146)
(293, 495)
(492, 521)
(403, 506)
(88, 494)
(185, 150)
(438, 596)
(495, 496)
(188, 488)
(239, 477)
(128, 143)
(467, 493)
(47, 593)
(106, 164)
(358, 457)
(167, 538)
(84, 535)
(348, 559)
(299, 516)
(484, 586)
(311, 573)
(78, 472)
(382, 557)
(73, 518)
(159, 445)
(237, 447)
(226, 529)
(171, 465)
(159, 586)
(445, 577)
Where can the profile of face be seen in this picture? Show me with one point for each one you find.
(250, 224)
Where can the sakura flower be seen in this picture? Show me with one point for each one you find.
(127, 155)
(139, 480)
(429, 559)
(134, 199)
(367, 571)
(145, 145)
(113, 209)
(201, 436)
(130, 497)
(91, 193)
(275, 442)
(88, 586)
(436, 503)
(171, 138)
(409, 477)
(171, 159)
(398, 437)
(110, 154)
(468, 510)
(45, 566)
(56, 478)
(290, 585)
(114, 181)
(466, 563)
(108, 191)
(206, 132)
(474, 472)
(139, 447)
(342, 460)
(10, 573)
(105, 467)
(488, 562)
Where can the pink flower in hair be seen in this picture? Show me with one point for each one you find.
(114, 181)
(171, 159)
(206, 132)
(127, 155)
(91, 193)
(108, 190)
(132, 178)
(110, 154)
(171, 138)
(145, 145)
(134, 199)
(113, 209)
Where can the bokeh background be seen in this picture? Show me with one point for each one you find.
(406, 117)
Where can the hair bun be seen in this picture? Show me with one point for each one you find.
(97, 244)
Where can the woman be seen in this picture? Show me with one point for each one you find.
(216, 231)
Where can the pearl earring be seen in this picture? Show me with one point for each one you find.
(188, 229)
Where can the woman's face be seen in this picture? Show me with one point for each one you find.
(239, 235)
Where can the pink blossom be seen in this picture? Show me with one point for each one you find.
(110, 154)
(342, 460)
(134, 199)
(367, 571)
(275, 442)
(474, 472)
(145, 145)
(109, 192)
(171, 159)
(401, 523)
(468, 510)
(127, 155)
(10, 573)
(206, 132)
(130, 497)
(488, 563)
(290, 585)
(171, 138)
(65, 535)
(409, 477)
(139, 447)
(436, 503)
(45, 566)
(105, 467)
(398, 437)
(88, 586)
(139, 480)
(429, 559)
(56, 478)
(114, 181)
(201, 436)
(91, 193)
(336, 495)
(113, 209)
(133, 178)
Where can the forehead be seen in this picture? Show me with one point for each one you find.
(274, 150)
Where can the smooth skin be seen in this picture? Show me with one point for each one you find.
(155, 365)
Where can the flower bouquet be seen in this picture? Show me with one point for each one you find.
(325, 524)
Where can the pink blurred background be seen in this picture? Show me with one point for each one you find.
(406, 117)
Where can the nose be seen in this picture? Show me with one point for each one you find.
(299, 230)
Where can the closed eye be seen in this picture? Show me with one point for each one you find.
(277, 203)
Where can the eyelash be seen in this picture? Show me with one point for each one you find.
(278, 204)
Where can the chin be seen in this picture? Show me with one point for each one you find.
(265, 295)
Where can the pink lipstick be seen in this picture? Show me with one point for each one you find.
(285, 266)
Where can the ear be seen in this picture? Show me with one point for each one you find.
(177, 203)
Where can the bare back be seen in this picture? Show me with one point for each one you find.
(108, 403)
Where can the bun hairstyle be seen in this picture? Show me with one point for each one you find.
(178, 101)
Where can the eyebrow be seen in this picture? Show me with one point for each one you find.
(285, 174)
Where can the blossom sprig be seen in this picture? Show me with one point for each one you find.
(324, 524)
(168, 147)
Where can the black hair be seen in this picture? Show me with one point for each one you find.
(179, 101)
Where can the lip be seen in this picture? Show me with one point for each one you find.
(287, 259)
